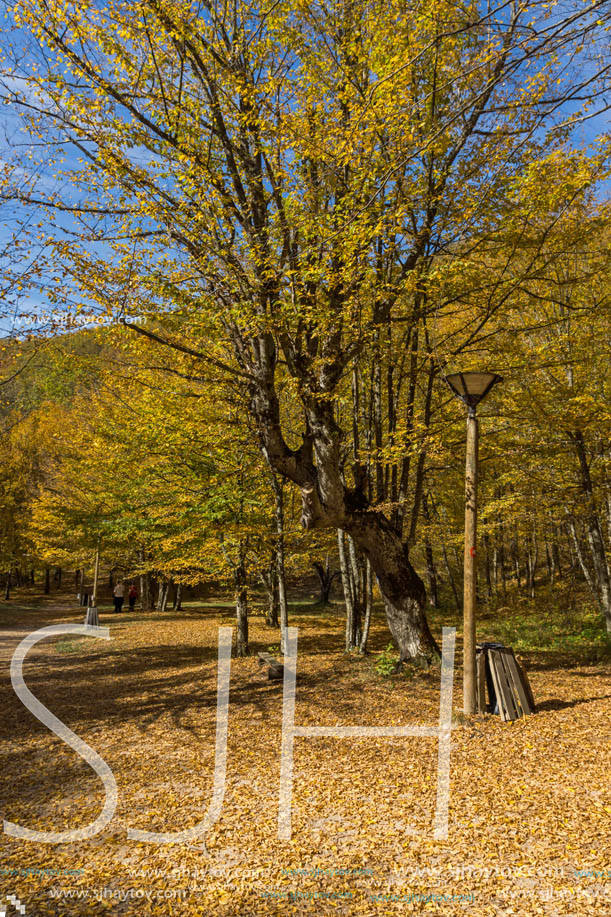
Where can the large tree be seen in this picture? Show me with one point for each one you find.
(285, 181)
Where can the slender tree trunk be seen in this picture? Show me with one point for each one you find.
(146, 591)
(495, 568)
(273, 615)
(515, 553)
(241, 607)
(356, 568)
(353, 579)
(446, 559)
(579, 554)
(347, 584)
(503, 570)
(177, 601)
(571, 536)
(270, 583)
(487, 571)
(368, 607)
(448, 567)
(162, 595)
(431, 570)
(47, 581)
(500, 541)
(326, 578)
(556, 554)
(7, 591)
(549, 562)
(283, 608)
(533, 559)
(600, 579)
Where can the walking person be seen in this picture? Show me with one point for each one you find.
(132, 595)
(118, 594)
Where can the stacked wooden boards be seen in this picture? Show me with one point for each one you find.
(499, 673)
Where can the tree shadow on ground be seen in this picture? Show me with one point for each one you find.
(556, 704)
(549, 660)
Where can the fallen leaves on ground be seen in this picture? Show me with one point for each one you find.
(529, 804)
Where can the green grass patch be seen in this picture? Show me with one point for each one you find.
(561, 619)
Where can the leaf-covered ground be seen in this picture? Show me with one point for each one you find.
(530, 809)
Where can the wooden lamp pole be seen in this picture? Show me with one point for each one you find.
(470, 566)
(471, 388)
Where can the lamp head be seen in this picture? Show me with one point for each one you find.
(472, 387)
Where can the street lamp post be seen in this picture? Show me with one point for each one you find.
(471, 388)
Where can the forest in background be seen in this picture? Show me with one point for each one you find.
(106, 445)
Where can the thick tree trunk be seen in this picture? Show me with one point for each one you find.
(401, 588)
(177, 600)
(316, 467)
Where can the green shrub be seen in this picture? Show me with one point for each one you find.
(386, 662)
